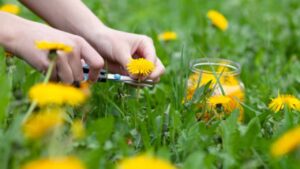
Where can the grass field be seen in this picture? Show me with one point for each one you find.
(263, 36)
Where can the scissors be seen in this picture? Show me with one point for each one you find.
(104, 76)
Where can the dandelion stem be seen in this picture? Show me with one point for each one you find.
(29, 111)
(138, 90)
(49, 71)
(34, 103)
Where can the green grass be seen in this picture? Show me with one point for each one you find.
(263, 36)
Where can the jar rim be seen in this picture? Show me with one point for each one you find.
(196, 64)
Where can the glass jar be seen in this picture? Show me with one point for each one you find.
(226, 90)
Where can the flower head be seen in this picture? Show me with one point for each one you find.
(167, 36)
(140, 67)
(45, 45)
(229, 84)
(281, 101)
(55, 163)
(286, 143)
(144, 162)
(218, 19)
(220, 101)
(10, 8)
(57, 94)
(42, 123)
(77, 129)
(225, 104)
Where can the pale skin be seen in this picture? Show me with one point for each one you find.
(18, 36)
(113, 47)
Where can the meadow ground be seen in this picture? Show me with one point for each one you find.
(263, 36)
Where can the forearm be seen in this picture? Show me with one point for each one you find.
(69, 15)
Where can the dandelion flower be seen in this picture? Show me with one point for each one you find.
(230, 84)
(226, 104)
(140, 67)
(56, 94)
(220, 101)
(218, 19)
(42, 123)
(77, 129)
(55, 163)
(45, 45)
(286, 143)
(144, 162)
(167, 36)
(281, 101)
(10, 8)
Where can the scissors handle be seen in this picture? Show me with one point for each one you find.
(102, 76)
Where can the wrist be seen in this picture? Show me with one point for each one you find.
(100, 33)
(94, 31)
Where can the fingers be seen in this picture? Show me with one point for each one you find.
(75, 64)
(124, 56)
(64, 70)
(40, 61)
(116, 68)
(158, 71)
(92, 58)
(146, 49)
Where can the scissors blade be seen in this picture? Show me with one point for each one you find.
(104, 76)
(129, 80)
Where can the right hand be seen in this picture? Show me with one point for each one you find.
(68, 66)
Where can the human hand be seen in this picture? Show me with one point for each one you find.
(68, 66)
(117, 48)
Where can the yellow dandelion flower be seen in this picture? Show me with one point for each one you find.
(144, 162)
(220, 101)
(286, 143)
(167, 36)
(226, 103)
(55, 163)
(230, 84)
(140, 67)
(57, 94)
(42, 123)
(218, 19)
(10, 8)
(45, 45)
(281, 101)
(77, 129)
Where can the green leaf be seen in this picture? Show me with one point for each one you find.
(252, 132)
(199, 160)
(230, 137)
(5, 87)
(102, 128)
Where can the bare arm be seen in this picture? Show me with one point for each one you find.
(19, 36)
(116, 47)
(68, 15)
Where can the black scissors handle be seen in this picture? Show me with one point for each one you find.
(102, 76)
